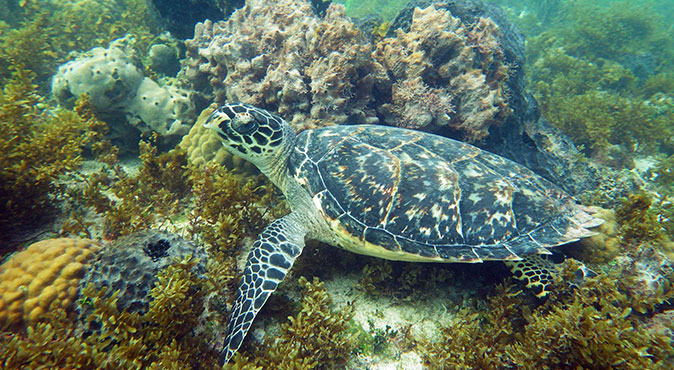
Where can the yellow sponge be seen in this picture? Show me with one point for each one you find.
(47, 271)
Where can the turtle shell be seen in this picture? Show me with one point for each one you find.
(408, 195)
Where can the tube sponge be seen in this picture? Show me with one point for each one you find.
(46, 271)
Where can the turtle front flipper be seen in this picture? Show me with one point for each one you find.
(273, 254)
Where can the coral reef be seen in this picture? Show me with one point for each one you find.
(115, 85)
(440, 51)
(455, 68)
(163, 338)
(323, 71)
(318, 71)
(47, 272)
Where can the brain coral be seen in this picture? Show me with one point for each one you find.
(46, 272)
(316, 71)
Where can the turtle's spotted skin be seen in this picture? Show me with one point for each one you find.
(421, 197)
(391, 193)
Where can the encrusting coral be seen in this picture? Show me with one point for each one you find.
(47, 272)
(321, 71)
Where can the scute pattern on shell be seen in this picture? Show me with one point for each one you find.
(415, 193)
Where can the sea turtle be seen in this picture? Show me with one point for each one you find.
(392, 193)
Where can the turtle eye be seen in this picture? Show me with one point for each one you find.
(244, 123)
(246, 128)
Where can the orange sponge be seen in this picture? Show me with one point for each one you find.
(47, 271)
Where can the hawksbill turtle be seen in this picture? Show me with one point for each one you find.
(391, 193)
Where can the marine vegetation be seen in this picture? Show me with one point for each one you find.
(639, 218)
(576, 96)
(318, 336)
(46, 31)
(230, 206)
(604, 76)
(162, 338)
(131, 202)
(37, 146)
(405, 281)
(596, 326)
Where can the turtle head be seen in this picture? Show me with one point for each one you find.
(253, 134)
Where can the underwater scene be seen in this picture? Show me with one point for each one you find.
(315, 184)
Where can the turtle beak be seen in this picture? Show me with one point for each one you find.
(218, 121)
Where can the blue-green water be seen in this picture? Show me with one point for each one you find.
(102, 115)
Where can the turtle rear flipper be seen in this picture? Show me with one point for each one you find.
(273, 254)
(538, 272)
